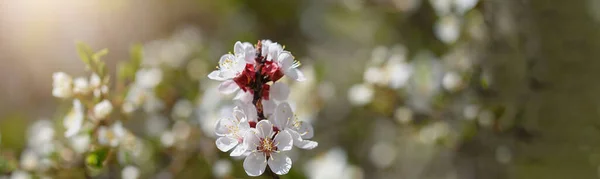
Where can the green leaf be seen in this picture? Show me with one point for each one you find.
(84, 52)
(99, 54)
(95, 159)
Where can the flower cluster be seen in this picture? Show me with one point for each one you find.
(262, 126)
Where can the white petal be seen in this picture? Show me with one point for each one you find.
(306, 130)
(284, 141)
(283, 115)
(301, 143)
(239, 150)
(243, 96)
(228, 87)
(269, 106)
(280, 91)
(215, 75)
(238, 48)
(222, 126)
(286, 60)
(265, 129)
(295, 74)
(255, 164)
(225, 143)
(280, 163)
(306, 144)
(251, 138)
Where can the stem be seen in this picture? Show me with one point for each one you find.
(271, 173)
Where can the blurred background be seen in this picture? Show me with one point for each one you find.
(456, 89)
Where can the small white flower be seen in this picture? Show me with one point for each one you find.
(95, 81)
(374, 75)
(267, 149)
(452, 81)
(332, 164)
(62, 85)
(221, 168)
(300, 131)
(80, 143)
(18, 174)
(399, 72)
(81, 86)
(29, 160)
(230, 66)
(102, 109)
(231, 131)
(148, 78)
(360, 94)
(130, 172)
(111, 136)
(167, 139)
(40, 135)
(183, 108)
(74, 120)
(447, 29)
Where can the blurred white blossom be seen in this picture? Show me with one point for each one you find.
(102, 109)
(360, 94)
(62, 85)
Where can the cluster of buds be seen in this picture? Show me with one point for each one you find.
(262, 126)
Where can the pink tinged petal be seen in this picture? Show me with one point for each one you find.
(222, 126)
(250, 53)
(228, 87)
(265, 129)
(295, 74)
(286, 60)
(284, 141)
(225, 143)
(280, 163)
(301, 143)
(239, 150)
(239, 115)
(269, 106)
(255, 164)
(306, 130)
(280, 91)
(284, 115)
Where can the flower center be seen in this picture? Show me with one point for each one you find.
(267, 146)
(228, 63)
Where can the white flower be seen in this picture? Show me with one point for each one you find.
(289, 66)
(18, 174)
(267, 148)
(230, 67)
(452, 81)
(40, 136)
(231, 131)
(62, 85)
(332, 164)
(80, 143)
(29, 160)
(130, 172)
(95, 81)
(74, 120)
(285, 120)
(221, 168)
(148, 78)
(102, 109)
(447, 29)
(183, 108)
(111, 136)
(360, 94)
(167, 139)
(81, 86)
(374, 75)
(399, 73)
